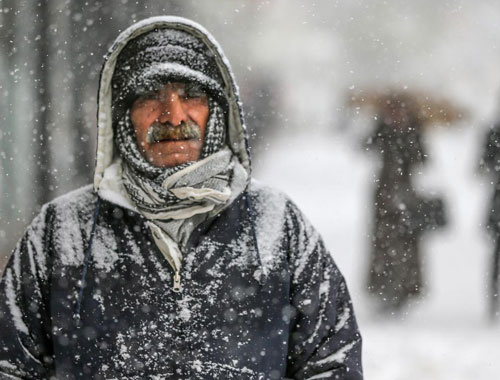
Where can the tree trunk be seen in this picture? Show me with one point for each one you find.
(43, 104)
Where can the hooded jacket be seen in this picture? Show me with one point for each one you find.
(87, 294)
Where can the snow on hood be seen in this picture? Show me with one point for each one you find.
(237, 133)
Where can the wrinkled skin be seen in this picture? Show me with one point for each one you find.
(179, 106)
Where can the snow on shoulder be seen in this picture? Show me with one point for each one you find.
(73, 214)
(270, 206)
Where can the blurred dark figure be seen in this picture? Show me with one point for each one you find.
(490, 163)
(401, 215)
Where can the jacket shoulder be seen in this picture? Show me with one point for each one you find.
(278, 224)
(78, 199)
(274, 207)
(64, 208)
(69, 221)
(271, 207)
(264, 194)
(57, 225)
(279, 219)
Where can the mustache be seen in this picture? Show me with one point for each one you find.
(186, 130)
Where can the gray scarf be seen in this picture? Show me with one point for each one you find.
(155, 191)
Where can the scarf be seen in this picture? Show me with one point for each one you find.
(177, 200)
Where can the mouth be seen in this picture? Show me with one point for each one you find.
(158, 132)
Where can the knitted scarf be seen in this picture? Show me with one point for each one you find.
(166, 194)
(173, 200)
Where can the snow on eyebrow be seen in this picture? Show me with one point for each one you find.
(338, 356)
(13, 307)
(343, 318)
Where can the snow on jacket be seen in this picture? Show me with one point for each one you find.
(261, 297)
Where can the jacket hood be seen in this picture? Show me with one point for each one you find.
(237, 138)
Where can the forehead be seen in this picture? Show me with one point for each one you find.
(181, 87)
(175, 85)
(178, 85)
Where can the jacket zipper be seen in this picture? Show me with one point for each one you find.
(170, 251)
(177, 282)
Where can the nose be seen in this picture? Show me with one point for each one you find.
(172, 109)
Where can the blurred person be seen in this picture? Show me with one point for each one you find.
(174, 264)
(401, 214)
(490, 163)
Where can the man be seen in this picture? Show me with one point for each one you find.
(175, 265)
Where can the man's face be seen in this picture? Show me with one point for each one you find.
(170, 124)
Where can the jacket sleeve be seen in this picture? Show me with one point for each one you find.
(325, 342)
(25, 336)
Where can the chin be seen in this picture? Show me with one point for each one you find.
(170, 154)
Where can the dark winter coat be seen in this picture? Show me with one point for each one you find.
(401, 215)
(261, 298)
(88, 295)
(490, 163)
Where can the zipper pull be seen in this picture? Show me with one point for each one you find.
(177, 282)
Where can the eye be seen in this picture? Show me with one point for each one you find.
(193, 91)
(149, 96)
(146, 99)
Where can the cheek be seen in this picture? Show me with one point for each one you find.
(141, 119)
(200, 115)
(140, 130)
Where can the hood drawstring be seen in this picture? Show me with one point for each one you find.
(86, 260)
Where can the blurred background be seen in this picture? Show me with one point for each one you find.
(315, 77)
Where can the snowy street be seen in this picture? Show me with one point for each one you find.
(445, 335)
(353, 109)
